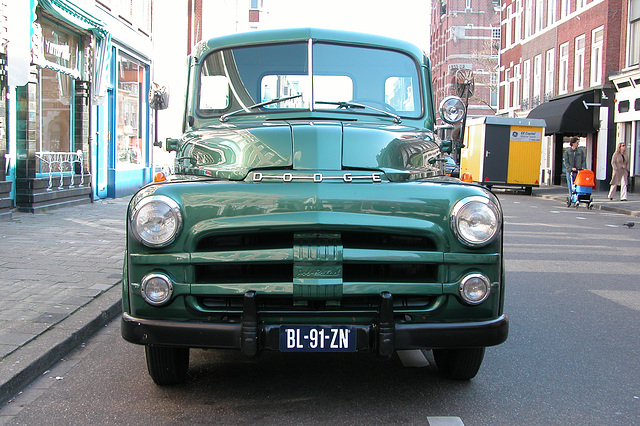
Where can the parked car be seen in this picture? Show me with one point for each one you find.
(451, 167)
(309, 211)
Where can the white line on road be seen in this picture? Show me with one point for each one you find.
(445, 421)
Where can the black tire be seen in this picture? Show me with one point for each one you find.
(167, 366)
(459, 364)
(568, 202)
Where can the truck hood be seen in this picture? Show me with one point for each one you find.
(232, 151)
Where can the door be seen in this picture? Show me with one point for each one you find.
(496, 154)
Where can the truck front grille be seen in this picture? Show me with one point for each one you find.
(283, 257)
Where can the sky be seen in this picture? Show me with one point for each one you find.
(404, 19)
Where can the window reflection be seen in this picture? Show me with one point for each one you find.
(130, 143)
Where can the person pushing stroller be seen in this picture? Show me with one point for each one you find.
(574, 161)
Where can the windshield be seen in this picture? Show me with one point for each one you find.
(342, 78)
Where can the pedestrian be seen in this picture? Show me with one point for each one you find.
(574, 161)
(620, 164)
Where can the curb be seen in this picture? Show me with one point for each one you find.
(32, 360)
(595, 205)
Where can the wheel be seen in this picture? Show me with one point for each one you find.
(568, 202)
(590, 206)
(528, 190)
(459, 364)
(167, 366)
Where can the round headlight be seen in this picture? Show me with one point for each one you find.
(475, 288)
(475, 221)
(156, 289)
(156, 220)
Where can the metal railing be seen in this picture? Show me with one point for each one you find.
(61, 164)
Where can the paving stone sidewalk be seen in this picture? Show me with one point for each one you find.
(58, 269)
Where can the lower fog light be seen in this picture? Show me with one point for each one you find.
(156, 289)
(475, 288)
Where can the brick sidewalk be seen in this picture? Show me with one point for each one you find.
(51, 266)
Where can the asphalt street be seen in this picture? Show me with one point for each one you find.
(60, 273)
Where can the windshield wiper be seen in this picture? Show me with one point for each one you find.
(225, 117)
(396, 117)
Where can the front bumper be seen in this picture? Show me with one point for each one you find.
(250, 336)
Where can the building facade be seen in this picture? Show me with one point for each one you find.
(555, 61)
(627, 97)
(76, 118)
(465, 41)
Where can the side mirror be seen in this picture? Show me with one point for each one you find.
(452, 110)
(172, 144)
(158, 96)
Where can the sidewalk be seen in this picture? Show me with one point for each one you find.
(59, 278)
(600, 201)
(60, 273)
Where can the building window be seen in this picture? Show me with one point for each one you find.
(548, 81)
(528, 16)
(493, 101)
(580, 4)
(578, 66)
(565, 8)
(537, 75)
(516, 86)
(56, 89)
(130, 131)
(563, 68)
(141, 15)
(517, 29)
(507, 89)
(633, 41)
(597, 36)
(507, 28)
(551, 12)
(526, 81)
(539, 15)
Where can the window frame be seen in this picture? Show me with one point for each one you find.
(597, 48)
(563, 68)
(549, 72)
(578, 62)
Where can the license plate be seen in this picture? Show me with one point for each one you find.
(317, 338)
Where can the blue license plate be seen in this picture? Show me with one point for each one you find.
(317, 338)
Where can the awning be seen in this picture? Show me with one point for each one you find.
(567, 115)
(77, 16)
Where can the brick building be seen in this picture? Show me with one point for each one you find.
(555, 61)
(465, 35)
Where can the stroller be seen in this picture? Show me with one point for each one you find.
(581, 188)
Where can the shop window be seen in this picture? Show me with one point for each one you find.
(59, 64)
(130, 127)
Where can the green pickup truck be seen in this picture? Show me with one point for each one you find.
(309, 210)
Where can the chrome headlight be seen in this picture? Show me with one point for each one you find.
(156, 220)
(475, 221)
(475, 288)
(156, 289)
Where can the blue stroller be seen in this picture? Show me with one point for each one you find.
(581, 189)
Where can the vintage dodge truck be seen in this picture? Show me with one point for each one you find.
(309, 211)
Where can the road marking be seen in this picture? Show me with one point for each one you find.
(629, 299)
(445, 421)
